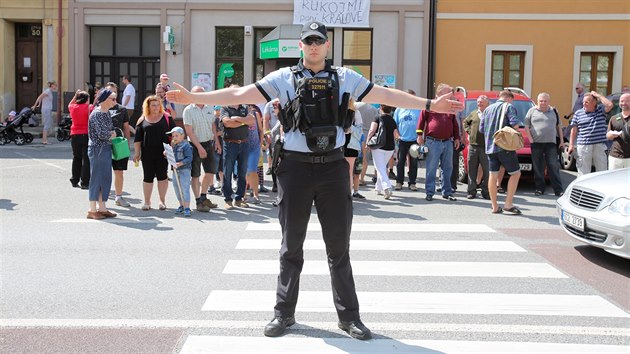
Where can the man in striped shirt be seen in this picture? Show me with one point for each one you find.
(589, 127)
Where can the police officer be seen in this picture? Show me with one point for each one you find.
(312, 166)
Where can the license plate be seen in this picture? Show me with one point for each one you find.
(573, 220)
(526, 166)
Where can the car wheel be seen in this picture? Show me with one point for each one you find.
(462, 175)
(568, 160)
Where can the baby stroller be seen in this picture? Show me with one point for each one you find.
(13, 131)
(63, 130)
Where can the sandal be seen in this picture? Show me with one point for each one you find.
(514, 210)
(498, 211)
(146, 207)
(162, 206)
(501, 190)
(538, 193)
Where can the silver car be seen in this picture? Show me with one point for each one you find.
(595, 209)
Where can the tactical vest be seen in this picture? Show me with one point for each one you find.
(240, 133)
(315, 110)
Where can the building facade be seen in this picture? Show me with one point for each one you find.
(536, 45)
(34, 50)
(213, 43)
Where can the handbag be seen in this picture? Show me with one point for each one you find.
(120, 148)
(355, 138)
(377, 140)
(507, 138)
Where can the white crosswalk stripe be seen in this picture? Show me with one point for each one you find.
(225, 345)
(413, 302)
(394, 245)
(409, 269)
(510, 263)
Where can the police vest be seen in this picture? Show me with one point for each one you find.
(315, 110)
(239, 133)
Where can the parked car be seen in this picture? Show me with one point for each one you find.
(595, 209)
(522, 102)
(567, 161)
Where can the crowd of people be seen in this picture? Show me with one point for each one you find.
(230, 143)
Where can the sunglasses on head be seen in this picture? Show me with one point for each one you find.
(313, 40)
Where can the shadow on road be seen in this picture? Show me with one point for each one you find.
(6, 204)
(605, 260)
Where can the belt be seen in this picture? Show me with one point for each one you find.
(235, 141)
(432, 138)
(331, 156)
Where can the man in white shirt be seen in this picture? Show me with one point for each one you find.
(129, 95)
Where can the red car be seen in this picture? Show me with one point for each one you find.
(522, 102)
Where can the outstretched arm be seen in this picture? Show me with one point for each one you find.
(397, 98)
(230, 96)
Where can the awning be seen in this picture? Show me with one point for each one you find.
(282, 42)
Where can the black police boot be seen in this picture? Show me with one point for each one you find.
(278, 325)
(356, 329)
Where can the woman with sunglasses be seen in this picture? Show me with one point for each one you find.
(100, 134)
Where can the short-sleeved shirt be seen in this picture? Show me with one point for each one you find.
(280, 84)
(591, 126)
(390, 126)
(238, 133)
(491, 122)
(201, 120)
(621, 145)
(153, 135)
(407, 122)
(438, 125)
(129, 91)
(79, 114)
(542, 125)
(119, 116)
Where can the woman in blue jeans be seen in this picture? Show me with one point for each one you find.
(100, 134)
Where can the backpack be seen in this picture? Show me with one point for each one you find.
(508, 138)
(377, 140)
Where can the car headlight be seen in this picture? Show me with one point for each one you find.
(620, 206)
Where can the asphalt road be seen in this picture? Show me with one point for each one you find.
(431, 277)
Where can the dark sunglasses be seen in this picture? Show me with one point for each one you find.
(314, 40)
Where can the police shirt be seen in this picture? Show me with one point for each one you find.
(280, 84)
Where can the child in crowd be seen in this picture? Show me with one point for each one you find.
(183, 155)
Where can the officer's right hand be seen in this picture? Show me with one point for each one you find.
(179, 95)
(444, 104)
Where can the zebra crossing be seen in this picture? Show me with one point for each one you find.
(516, 313)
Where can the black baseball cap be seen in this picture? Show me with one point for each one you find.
(314, 28)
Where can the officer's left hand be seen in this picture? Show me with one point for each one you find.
(444, 104)
(179, 95)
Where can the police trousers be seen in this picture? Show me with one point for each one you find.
(299, 185)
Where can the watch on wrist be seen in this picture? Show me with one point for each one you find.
(428, 106)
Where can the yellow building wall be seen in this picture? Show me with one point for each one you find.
(534, 6)
(44, 11)
(461, 43)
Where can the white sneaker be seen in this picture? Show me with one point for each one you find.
(378, 192)
(121, 202)
(388, 193)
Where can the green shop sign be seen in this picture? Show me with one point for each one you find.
(280, 48)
